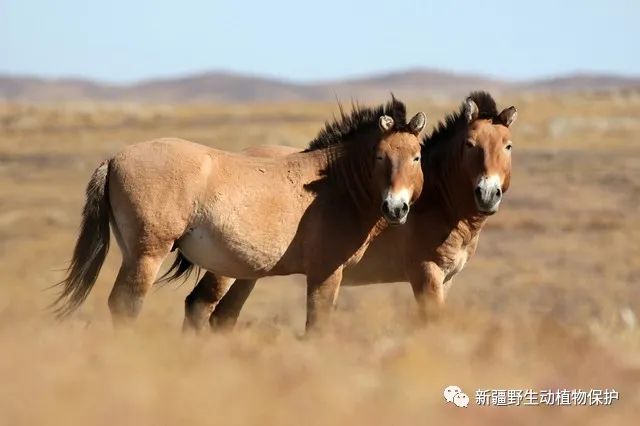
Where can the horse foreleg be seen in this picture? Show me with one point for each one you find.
(321, 299)
(201, 302)
(427, 282)
(226, 313)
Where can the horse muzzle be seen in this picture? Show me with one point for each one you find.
(488, 194)
(395, 207)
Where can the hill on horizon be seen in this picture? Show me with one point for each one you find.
(219, 86)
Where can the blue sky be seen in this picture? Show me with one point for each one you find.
(125, 41)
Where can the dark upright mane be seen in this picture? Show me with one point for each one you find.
(446, 130)
(346, 128)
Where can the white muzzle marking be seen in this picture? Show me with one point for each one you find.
(395, 205)
(488, 193)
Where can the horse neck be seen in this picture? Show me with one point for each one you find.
(453, 213)
(349, 176)
(359, 207)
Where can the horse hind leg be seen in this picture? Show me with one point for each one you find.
(202, 301)
(135, 278)
(227, 311)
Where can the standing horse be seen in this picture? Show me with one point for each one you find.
(467, 169)
(312, 212)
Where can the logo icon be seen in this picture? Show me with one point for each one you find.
(455, 395)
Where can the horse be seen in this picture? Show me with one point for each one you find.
(314, 212)
(466, 162)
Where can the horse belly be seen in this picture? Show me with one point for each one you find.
(374, 271)
(383, 262)
(227, 256)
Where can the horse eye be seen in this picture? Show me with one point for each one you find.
(508, 147)
(379, 158)
(469, 143)
(417, 158)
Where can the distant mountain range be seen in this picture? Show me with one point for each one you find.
(233, 87)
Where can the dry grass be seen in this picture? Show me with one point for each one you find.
(549, 301)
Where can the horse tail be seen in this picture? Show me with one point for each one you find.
(91, 246)
(181, 267)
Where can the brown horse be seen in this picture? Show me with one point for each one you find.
(467, 169)
(312, 212)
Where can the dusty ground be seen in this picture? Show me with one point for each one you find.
(549, 302)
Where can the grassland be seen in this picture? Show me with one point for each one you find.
(549, 301)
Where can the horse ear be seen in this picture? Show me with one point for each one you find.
(508, 116)
(417, 123)
(470, 110)
(385, 123)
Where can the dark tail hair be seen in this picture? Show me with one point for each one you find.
(91, 247)
(181, 267)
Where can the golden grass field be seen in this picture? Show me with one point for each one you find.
(549, 301)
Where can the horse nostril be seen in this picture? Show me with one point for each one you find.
(498, 192)
(385, 206)
(405, 207)
(478, 192)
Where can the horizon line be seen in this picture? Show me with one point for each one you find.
(299, 82)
